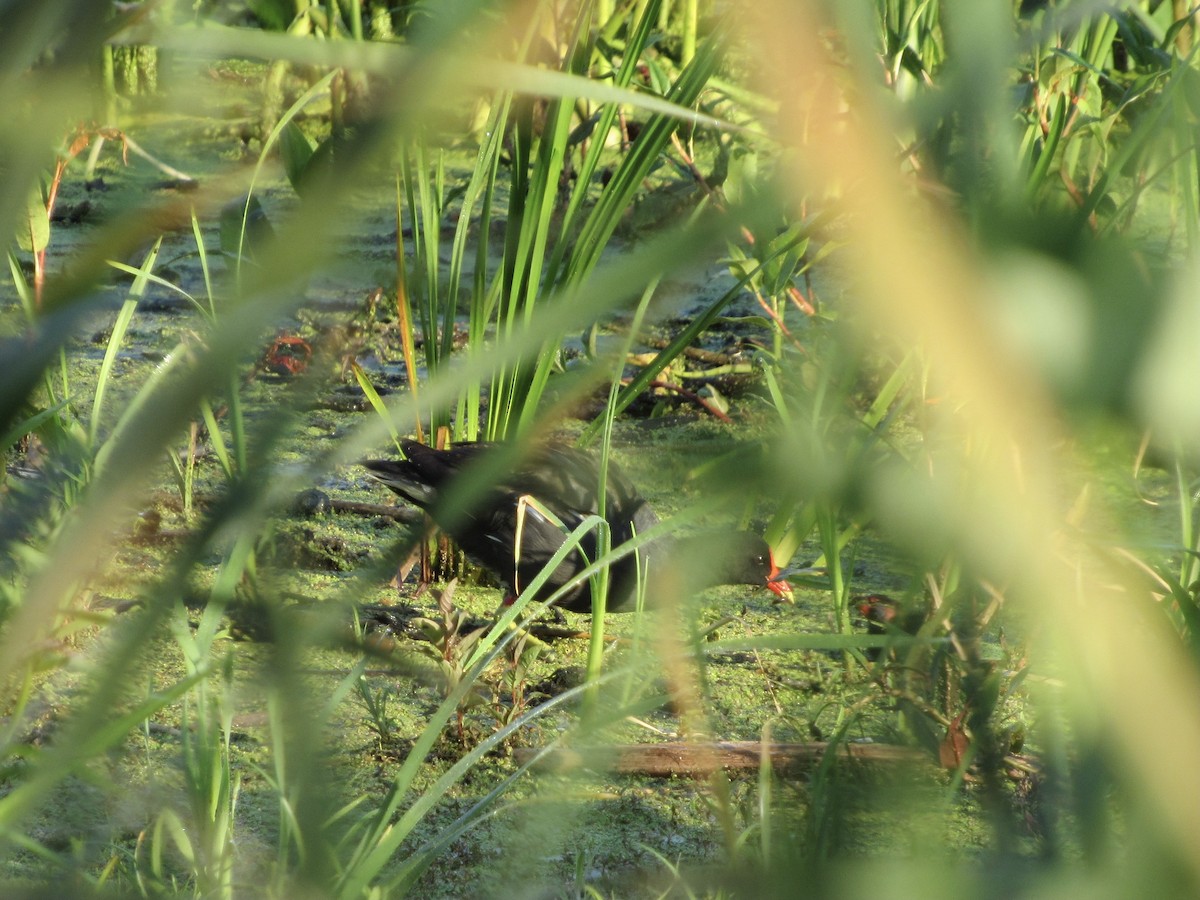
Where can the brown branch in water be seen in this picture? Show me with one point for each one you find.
(702, 758)
(694, 397)
(405, 514)
(708, 357)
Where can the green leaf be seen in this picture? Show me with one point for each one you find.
(33, 232)
(120, 326)
(296, 151)
(275, 15)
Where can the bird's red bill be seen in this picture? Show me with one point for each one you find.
(777, 584)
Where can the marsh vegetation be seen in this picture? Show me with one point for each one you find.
(908, 288)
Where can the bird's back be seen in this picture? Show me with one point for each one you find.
(520, 515)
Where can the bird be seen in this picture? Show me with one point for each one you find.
(511, 517)
(886, 615)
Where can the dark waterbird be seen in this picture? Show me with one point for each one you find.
(511, 518)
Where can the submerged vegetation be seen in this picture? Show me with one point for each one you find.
(908, 287)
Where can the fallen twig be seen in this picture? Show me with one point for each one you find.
(694, 397)
(407, 514)
(701, 759)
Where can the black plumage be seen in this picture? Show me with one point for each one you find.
(512, 517)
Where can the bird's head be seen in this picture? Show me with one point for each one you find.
(739, 558)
